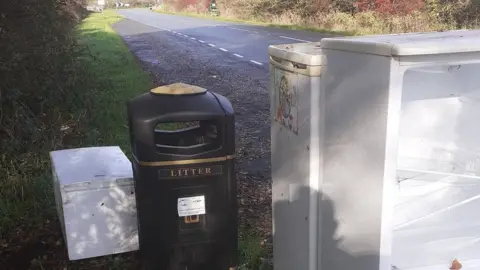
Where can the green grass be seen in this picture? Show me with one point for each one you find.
(257, 23)
(251, 252)
(118, 78)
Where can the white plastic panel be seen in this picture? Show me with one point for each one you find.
(92, 167)
(291, 179)
(100, 222)
(440, 108)
(436, 221)
(406, 44)
(95, 199)
(436, 217)
(357, 160)
(309, 54)
(294, 101)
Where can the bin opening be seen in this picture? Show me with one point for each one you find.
(186, 138)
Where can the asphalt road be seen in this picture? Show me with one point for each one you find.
(243, 41)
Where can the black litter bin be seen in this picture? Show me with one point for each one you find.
(183, 145)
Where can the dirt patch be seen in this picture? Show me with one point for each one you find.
(42, 247)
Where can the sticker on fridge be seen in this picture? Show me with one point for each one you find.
(286, 106)
(191, 206)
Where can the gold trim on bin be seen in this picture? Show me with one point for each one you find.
(184, 162)
(178, 89)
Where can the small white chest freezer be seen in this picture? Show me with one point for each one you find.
(95, 199)
(295, 71)
(401, 156)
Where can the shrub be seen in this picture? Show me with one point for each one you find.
(360, 16)
(390, 7)
(37, 73)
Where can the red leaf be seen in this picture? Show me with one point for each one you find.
(456, 265)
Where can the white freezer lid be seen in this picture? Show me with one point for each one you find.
(309, 54)
(92, 167)
(408, 44)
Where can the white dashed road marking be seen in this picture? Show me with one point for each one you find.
(297, 39)
(154, 26)
(239, 29)
(223, 49)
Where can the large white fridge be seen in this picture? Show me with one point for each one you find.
(399, 180)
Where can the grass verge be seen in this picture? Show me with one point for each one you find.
(107, 75)
(116, 76)
(252, 254)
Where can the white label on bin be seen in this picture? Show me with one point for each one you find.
(190, 206)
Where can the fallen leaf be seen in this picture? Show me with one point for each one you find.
(456, 265)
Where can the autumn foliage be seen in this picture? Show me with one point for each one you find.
(391, 7)
(358, 16)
